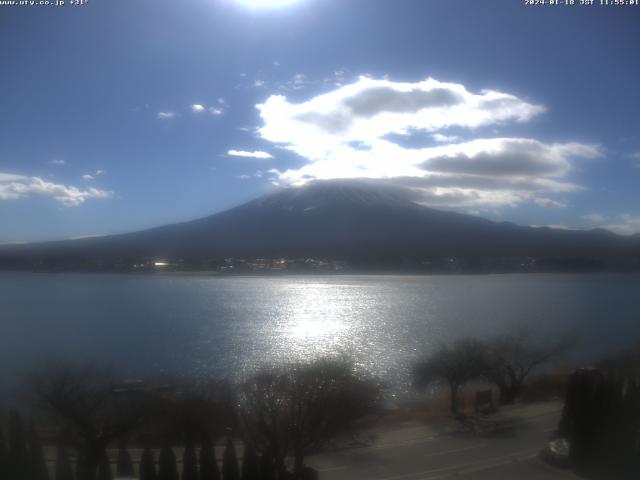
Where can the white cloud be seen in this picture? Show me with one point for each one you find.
(246, 154)
(166, 115)
(490, 172)
(57, 162)
(559, 226)
(594, 217)
(259, 83)
(13, 187)
(370, 109)
(624, 224)
(215, 111)
(90, 235)
(10, 177)
(256, 174)
(505, 157)
(92, 176)
(298, 82)
(346, 134)
(549, 203)
(438, 137)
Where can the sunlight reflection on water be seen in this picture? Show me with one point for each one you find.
(316, 320)
(213, 327)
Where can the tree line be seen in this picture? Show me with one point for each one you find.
(23, 458)
(279, 416)
(506, 361)
(601, 417)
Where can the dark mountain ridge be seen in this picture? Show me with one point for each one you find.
(355, 221)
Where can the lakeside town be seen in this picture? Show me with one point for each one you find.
(302, 265)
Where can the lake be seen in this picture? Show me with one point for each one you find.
(207, 326)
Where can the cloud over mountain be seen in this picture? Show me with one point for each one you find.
(351, 132)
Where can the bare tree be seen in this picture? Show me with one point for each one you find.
(90, 411)
(208, 463)
(18, 456)
(250, 464)
(300, 409)
(195, 413)
(167, 467)
(3, 455)
(63, 470)
(454, 365)
(124, 465)
(104, 467)
(189, 462)
(512, 358)
(230, 469)
(37, 463)
(147, 465)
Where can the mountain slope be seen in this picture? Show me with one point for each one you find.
(345, 220)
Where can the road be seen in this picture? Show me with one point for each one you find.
(507, 447)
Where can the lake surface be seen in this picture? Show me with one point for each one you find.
(212, 326)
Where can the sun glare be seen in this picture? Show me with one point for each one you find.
(267, 3)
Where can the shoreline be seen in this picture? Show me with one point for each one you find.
(380, 273)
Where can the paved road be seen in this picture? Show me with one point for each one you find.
(506, 448)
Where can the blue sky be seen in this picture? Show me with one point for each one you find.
(121, 115)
